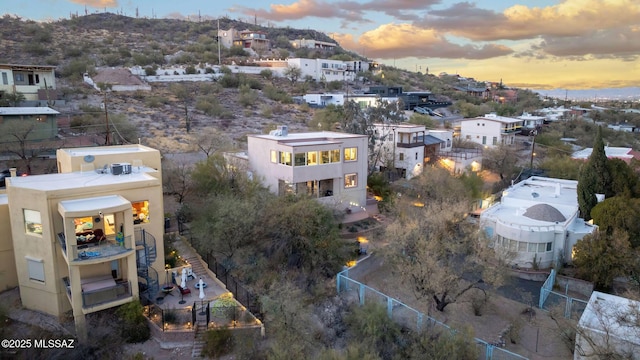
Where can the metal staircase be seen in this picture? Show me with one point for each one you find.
(146, 273)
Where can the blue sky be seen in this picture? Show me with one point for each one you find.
(527, 43)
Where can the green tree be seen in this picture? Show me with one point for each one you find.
(594, 178)
(624, 180)
(619, 213)
(600, 258)
(561, 167)
(12, 99)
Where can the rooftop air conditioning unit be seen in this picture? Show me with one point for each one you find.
(121, 169)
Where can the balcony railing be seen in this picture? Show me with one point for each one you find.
(105, 248)
(67, 285)
(409, 145)
(63, 242)
(121, 290)
(511, 130)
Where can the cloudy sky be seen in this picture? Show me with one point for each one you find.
(540, 44)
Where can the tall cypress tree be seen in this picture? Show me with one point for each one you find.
(594, 178)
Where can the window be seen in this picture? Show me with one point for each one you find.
(549, 246)
(351, 180)
(350, 154)
(299, 159)
(35, 268)
(495, 140)
(416, 156)
(32, 222)
(274, 156)
(5, 79)
(19, 77)
(335, 155)
(285, 158)
(324, 157)
(312, 158)
(140, 212)
(484, 140)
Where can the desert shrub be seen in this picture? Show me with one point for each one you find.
(248, 96)
(334, 85)
(150, 71)
(252, 83)
(478, 303)
(218, 342)
(237, 51)
(267, 111)
(76, 68)
(190, 70)
(229, 81)
(266, 74)
(154, 101)
(72, 52)
(35, 48)
(170, 316)
(134, 327)
(112, 60)
(276, 94)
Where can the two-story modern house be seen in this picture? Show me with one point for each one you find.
(406, 148)
(329, 166)
(36, 82)
(536, 223)
(89, 237)
(490, 130)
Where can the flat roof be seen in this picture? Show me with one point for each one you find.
(614, 315)
(610, 151)
(77, 180)
(28, 110)
(319, 136)
(107, 150)
(494, 117)
(89, 204)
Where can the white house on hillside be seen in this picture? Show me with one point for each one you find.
(536, 219)
(531, 121)
(608, 325)
(407, 147)
(324, 70)
(329, 166)
(490, 130)
(339, 99)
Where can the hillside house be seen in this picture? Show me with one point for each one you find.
(88, 238)
(329, 166)
(34, 123)
(490, 130)
(36, 82)
(536, 223)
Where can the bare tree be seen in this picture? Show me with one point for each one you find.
(292, 73)
(211, 141)
(176, 180)
(18, 139)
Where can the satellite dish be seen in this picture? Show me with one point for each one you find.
(89, 158)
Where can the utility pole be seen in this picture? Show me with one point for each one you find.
(533, 148)
(219, 59)
(106, 117)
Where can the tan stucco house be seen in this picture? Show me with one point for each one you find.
(87, 238)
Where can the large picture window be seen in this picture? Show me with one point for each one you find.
(350, 154)
(36, 269)
(140, 212)
(312, 158)
(351, 180)
(32, 222)
(285, 158)
(335, 155)
(299, 159)
(274, 156)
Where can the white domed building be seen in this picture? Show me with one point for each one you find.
(536, 223)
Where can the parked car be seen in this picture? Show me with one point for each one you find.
(7, 173)
(421, 110)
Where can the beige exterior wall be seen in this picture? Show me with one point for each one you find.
(8, 274)
(25, 72)
(70, 160)
(45, 193)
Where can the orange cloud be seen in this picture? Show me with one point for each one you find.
(98, 3)
(405, 40)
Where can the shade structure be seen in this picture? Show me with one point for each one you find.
(183, 283)
(201, 286)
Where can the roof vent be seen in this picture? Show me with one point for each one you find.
(282, 130)
(535, 194)
(121, 169)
